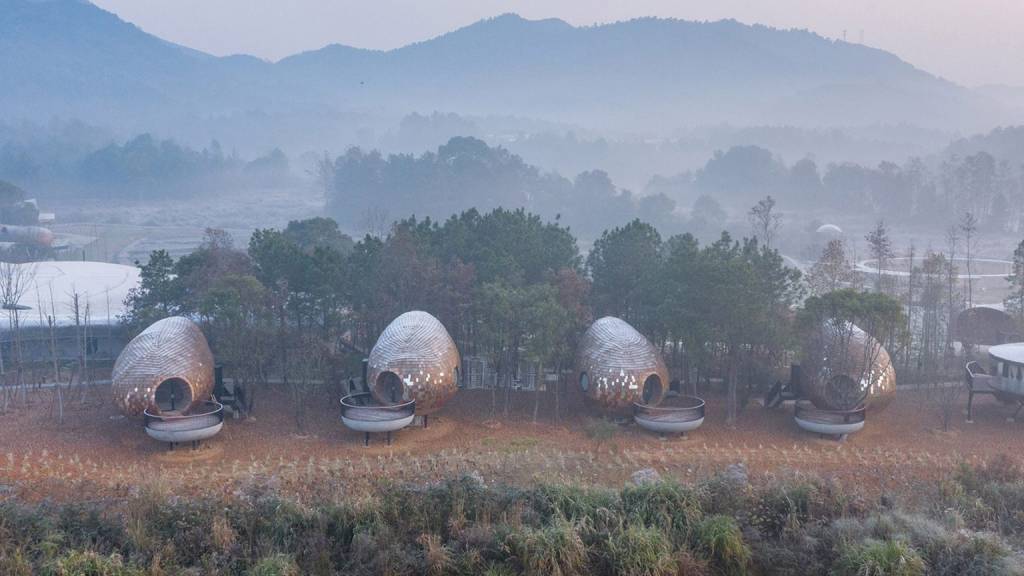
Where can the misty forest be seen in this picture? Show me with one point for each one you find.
(655, 296)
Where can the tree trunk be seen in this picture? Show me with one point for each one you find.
(536, 394)
(730, 418)
(558, 382)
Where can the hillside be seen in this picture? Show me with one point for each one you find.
(69, 58)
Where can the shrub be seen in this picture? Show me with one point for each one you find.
(381, 552)
(26, 529)
(665, 505)
(15, 563)
(954, 554)
(276, 565)
(90, 563)
(87, 526)
(436, 509)
(999, 469)
(499, 570)
(719, 538)
(880, 558)
(600, 429)
(437, 558)
(790, 557)
(553, 550)
(689, 565)
(639, 551)
(596, 507)
(723, 495)
(780, 509)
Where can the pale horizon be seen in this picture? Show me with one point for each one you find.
(970, 42)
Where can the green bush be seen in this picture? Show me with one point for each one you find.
(722, 495)
(596, 507)
(90, 563)
(276, 565)
(880, 558)
(553, 550)
(719, 538)
(639, 551)
(14, 563)
(716, 527)
(780, 509)
(665, 505)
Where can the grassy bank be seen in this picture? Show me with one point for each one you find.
(971, 523)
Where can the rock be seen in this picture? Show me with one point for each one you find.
(645, 476)
(475, 477)
(737, 474)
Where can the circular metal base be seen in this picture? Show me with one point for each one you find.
(828, 422)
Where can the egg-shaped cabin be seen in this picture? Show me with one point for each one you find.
(168, 368)
(414, 359)
(850, 369)
(617, 367)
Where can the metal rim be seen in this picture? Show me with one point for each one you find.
(346, 403)
(217, 409)
(697, 403)
(811, 413)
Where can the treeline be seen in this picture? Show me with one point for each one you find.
(367, 188)
(308, 303)
(913, 194)
(84, 162)
(963, 525)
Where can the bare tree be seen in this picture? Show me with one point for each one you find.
(15, 280)
(969, 226)
(952, 241)
(832, 271)
(764, 220)
(911, 277)
(880, 248)
(308, 364)
(376, 221)
(322, 174)
(946, 396)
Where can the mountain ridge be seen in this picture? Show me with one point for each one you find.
(70, 58)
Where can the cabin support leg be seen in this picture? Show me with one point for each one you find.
(426, 420)
(366, 438)
(389, 437)
(970, 407)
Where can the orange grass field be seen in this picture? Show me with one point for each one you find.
(98, 454)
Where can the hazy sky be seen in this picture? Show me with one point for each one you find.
(968, 41)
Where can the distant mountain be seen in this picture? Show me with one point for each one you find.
(69, 58)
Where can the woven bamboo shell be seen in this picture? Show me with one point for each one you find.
(170, 348)
(844, 379)
(615, 361)
(419, 351)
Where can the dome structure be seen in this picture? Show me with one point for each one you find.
(985, 326)
(617, 367)
(166, 368)
(414, 359)
(829, 229)
(849, 369)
